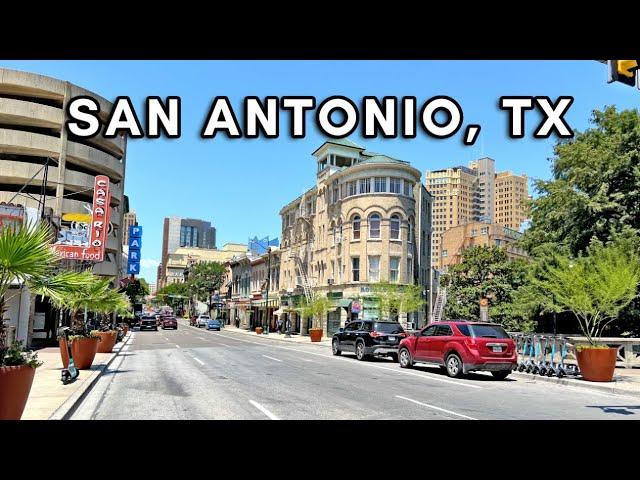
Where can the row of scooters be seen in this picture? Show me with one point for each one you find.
(544, 355)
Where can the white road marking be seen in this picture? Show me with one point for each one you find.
(224, 344)
(198, 360)
(395, 370)
(307, 360)
(436, 408)
(271, 358)
(177, 346)
(263, 410)
(202, 338)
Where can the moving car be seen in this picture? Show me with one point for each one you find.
(460, 347)
(368, 337)
(148, 321)
(214, 324)
(202, 320)
(169, 321)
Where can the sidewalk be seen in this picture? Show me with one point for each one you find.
(49, 398)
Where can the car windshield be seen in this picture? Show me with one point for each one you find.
(488, 331)
(388, 327)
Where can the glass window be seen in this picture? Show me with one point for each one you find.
(355, 269)
(374, 268)
(409, 270)
(410, 231)
(394, 185)
(355, 229)
(353, 326)
(351, 188)
(445, 253)
(429, 331)
(394, 267)
(464, 329)
(488, 331)
(380, 184)
(483, 231)
(395, 227)
(374, 226)
(365, 185)
(443, 331)
(408, 189)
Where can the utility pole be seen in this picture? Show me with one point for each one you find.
(265, 331)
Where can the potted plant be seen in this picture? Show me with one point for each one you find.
(111, 302)
(26, 258)
(316, 310)
(595, 287)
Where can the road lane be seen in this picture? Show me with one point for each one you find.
(218, 374)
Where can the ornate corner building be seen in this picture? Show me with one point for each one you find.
(367, 219)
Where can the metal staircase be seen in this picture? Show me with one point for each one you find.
(306, 285)
(438, 307)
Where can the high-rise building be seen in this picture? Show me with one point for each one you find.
(128, 219)
(474, 194)
(184, 232)
(511, 199)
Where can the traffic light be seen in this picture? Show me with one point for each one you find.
(624, 71)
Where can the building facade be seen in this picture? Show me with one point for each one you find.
(457, 239)
(475, 194)
(183, 232)
(44, 168)
(364, 222)
(128, 219)
(178, 261)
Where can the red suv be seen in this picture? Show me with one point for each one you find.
(460, 347)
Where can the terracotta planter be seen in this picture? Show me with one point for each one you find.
(83, 350)
(15, 385)
(126, 329)
(259, 330)
(107, 341)
(597, 364)
(316, 334)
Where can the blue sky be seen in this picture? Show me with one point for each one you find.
(240, 185)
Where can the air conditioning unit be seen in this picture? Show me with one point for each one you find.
(330, 281)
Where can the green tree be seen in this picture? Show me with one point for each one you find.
(394, 299)
(136, 290)
(205, 278)
(175, 295)
(595, 286)
(486, 272)
(595, 189)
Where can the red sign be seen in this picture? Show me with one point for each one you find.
(99, 226)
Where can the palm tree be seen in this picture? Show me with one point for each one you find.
(26, 258)
(92, 296)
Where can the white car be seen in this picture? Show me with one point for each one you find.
(202, 320)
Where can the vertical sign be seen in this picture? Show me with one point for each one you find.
(100, 217)
(135, 245)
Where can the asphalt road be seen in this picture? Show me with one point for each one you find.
(194, 374)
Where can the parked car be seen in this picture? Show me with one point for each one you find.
(202, 320)
(169, 321)
(459, 347)
(148, 321)
(368, 337)
(214, 324)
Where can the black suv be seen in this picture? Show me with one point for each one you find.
(148, 321)
(369, 337)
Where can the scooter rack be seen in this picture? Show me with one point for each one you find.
(544, 355)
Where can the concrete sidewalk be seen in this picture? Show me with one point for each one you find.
(49, 398)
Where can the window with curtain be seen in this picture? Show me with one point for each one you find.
(355, 269)
(365, 185)
(374, 226)
(394, 269)
(395, 227)
(394, 185)
(355, 229)
(380, 184)
(374, 268)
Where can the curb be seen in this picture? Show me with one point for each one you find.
(67, 409)
(610, 387)
(270, 336)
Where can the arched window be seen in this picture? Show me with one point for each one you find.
(374, 225)
(395, 227)
(355, 229)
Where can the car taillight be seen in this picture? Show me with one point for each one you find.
(376, 334)
(470, 342)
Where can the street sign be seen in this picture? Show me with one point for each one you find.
(135, 245)
(356, 307)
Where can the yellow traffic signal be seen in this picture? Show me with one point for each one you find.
(624, 71)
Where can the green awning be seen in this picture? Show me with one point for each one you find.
(342, 302)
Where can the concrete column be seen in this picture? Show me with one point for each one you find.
(62, 158)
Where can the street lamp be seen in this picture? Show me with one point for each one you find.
(265, 331)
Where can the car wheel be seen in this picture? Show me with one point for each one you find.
(405, 359)
(360, 353)
(335, 347)
(501, 375)
(454, 366)
(394, 357)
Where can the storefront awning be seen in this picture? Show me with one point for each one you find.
(342, 302)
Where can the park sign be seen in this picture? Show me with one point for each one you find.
(135, 245)
(93, 249)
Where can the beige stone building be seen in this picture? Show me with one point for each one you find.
(44, 169)
(183, 256)
(366, 220)
(472, 234)
(511, 199)
(128, 219)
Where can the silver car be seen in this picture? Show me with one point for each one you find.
(202, 320)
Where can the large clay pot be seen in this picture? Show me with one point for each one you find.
(83, 350)
(259, 330)
(15, 385)
(126, 329)
(107, 341)
(597, 364)
(316, 334)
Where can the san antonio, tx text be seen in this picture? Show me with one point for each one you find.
(336, 117)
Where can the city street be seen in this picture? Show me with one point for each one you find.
(192, 373)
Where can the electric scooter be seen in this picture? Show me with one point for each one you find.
(528, 365)
(70, 373)
(521, 346)
(543, 365)
(566, 368)
(534, 367)
(553, 367)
